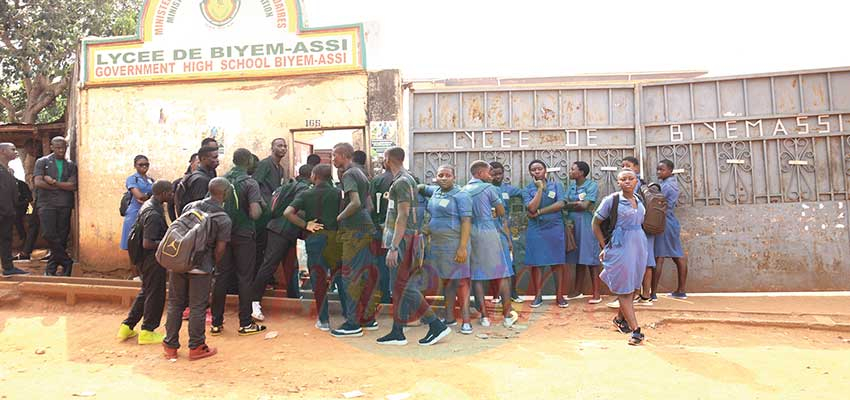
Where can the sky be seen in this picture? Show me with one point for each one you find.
(438, 39)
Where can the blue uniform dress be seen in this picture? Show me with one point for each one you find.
(446, 210)
(145, 185)
(508, 191)
(650, 239)
(487, 258)
(587, 250)
(669, 243)
(625, 255)
(544, 242)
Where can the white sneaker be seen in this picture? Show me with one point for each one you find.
(323, 326)
(257, 311)
(614, 304)
(485, 322)
(511, 319)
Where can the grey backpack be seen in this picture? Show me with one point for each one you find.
(185, 240)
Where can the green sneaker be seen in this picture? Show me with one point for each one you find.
(150, 337)
(124, 332)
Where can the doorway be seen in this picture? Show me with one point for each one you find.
(321, 142)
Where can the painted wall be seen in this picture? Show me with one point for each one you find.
(167, 123)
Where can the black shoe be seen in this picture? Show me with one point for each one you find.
(436, 333)
(394, 338)
(21, 257)
(49, 273)
(215, 330)
(14, 271)
(45, 258)
(637, 338)
(370, 326)
(252, 329)
(622, 325)
(347, 330)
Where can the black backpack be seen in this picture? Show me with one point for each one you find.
(608, 224)
(135, 247)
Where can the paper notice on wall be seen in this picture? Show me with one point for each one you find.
(382, 135)
(223, 126)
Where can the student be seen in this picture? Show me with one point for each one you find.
(545, 245)
(488, 260)
(508, 191)
(379, 186)
(244, 207)
(212, 143)
(402, 242)
(580, 199)
(270, 175)
(196, 183)
(624, 256)
(359, 273)
(282, 238)
(173, 207)
(56, 181)
(632, 163)
(193, 288)
(320, 205)
(140, 186)
(359, 160)
(669, 243)
(449, 247)
(8, 200)
(151, 299)
(314, 160)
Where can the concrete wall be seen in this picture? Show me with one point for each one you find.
(167, 123)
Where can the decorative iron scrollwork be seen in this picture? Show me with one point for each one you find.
(797, 159)
(736, 165)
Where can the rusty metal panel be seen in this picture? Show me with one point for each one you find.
(473, 110)
(423, 111)
(448, 110)
(572, 108)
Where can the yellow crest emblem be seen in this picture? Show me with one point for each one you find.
(219, 12)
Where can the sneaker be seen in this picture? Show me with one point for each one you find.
(323, 326)
(14, 271)
(621, 325)
(538, 301)
(511, 319)
(637, 338)
(614, 304)
(653, 297)
(449, 323)
(496, 300)
(596, 301)
(574, 296)
(485, 322)
(169, 352)
(125, 332)
(435, 334)
(370, 326)
(45, 258)
(49, 273)
(257, 311)
(466, 328)
(202, 351)
(252, 329)
(517, 299)
(216, 330)
(562, 303)
(150, 337)
(675, 295)
(394, 338)
(643, 301)
(21, 257)
(347, 330)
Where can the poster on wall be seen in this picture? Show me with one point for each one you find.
(382, 135)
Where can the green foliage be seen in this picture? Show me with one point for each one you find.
(38, 44)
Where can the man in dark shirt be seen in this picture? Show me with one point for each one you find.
(359, 160)
(379, 187)
(320, 205)
(244, 206)
(56, 181)
(195, 184)
(359, 273)
(193, 287)
(269, 175)
(151, 299)
(282, 237)
(8, 205)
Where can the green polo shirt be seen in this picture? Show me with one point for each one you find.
(321, 202)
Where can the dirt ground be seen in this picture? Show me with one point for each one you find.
(554, 353)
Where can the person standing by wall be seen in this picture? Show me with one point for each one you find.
(32, 154)
(270, 176)
(379, 186)
(632, 163)
(56, 181)
(669, 243)
(150, 301)
(623, 254)
(8, 205)
(580, 199)
(508, 191)
(140, 186)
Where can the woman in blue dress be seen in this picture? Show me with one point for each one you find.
(448, 250)
(623, 254)
(669, 243)
(580, 199)
(545, 245)
(140, 186)
(488, 259)
(644, 299)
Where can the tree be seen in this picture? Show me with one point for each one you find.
(38, 48)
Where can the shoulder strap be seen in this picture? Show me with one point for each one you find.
(614, 209)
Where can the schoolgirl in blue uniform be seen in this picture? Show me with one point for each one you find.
(580, 199)
(669, 243)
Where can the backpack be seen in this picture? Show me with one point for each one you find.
(185, 240)
(655, 219)
(608, 224)
(135, 248)
(182, 187)
(237, 212)
(125, 201)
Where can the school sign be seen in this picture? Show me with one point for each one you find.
(195, 40)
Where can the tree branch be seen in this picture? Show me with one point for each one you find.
(10, 109)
